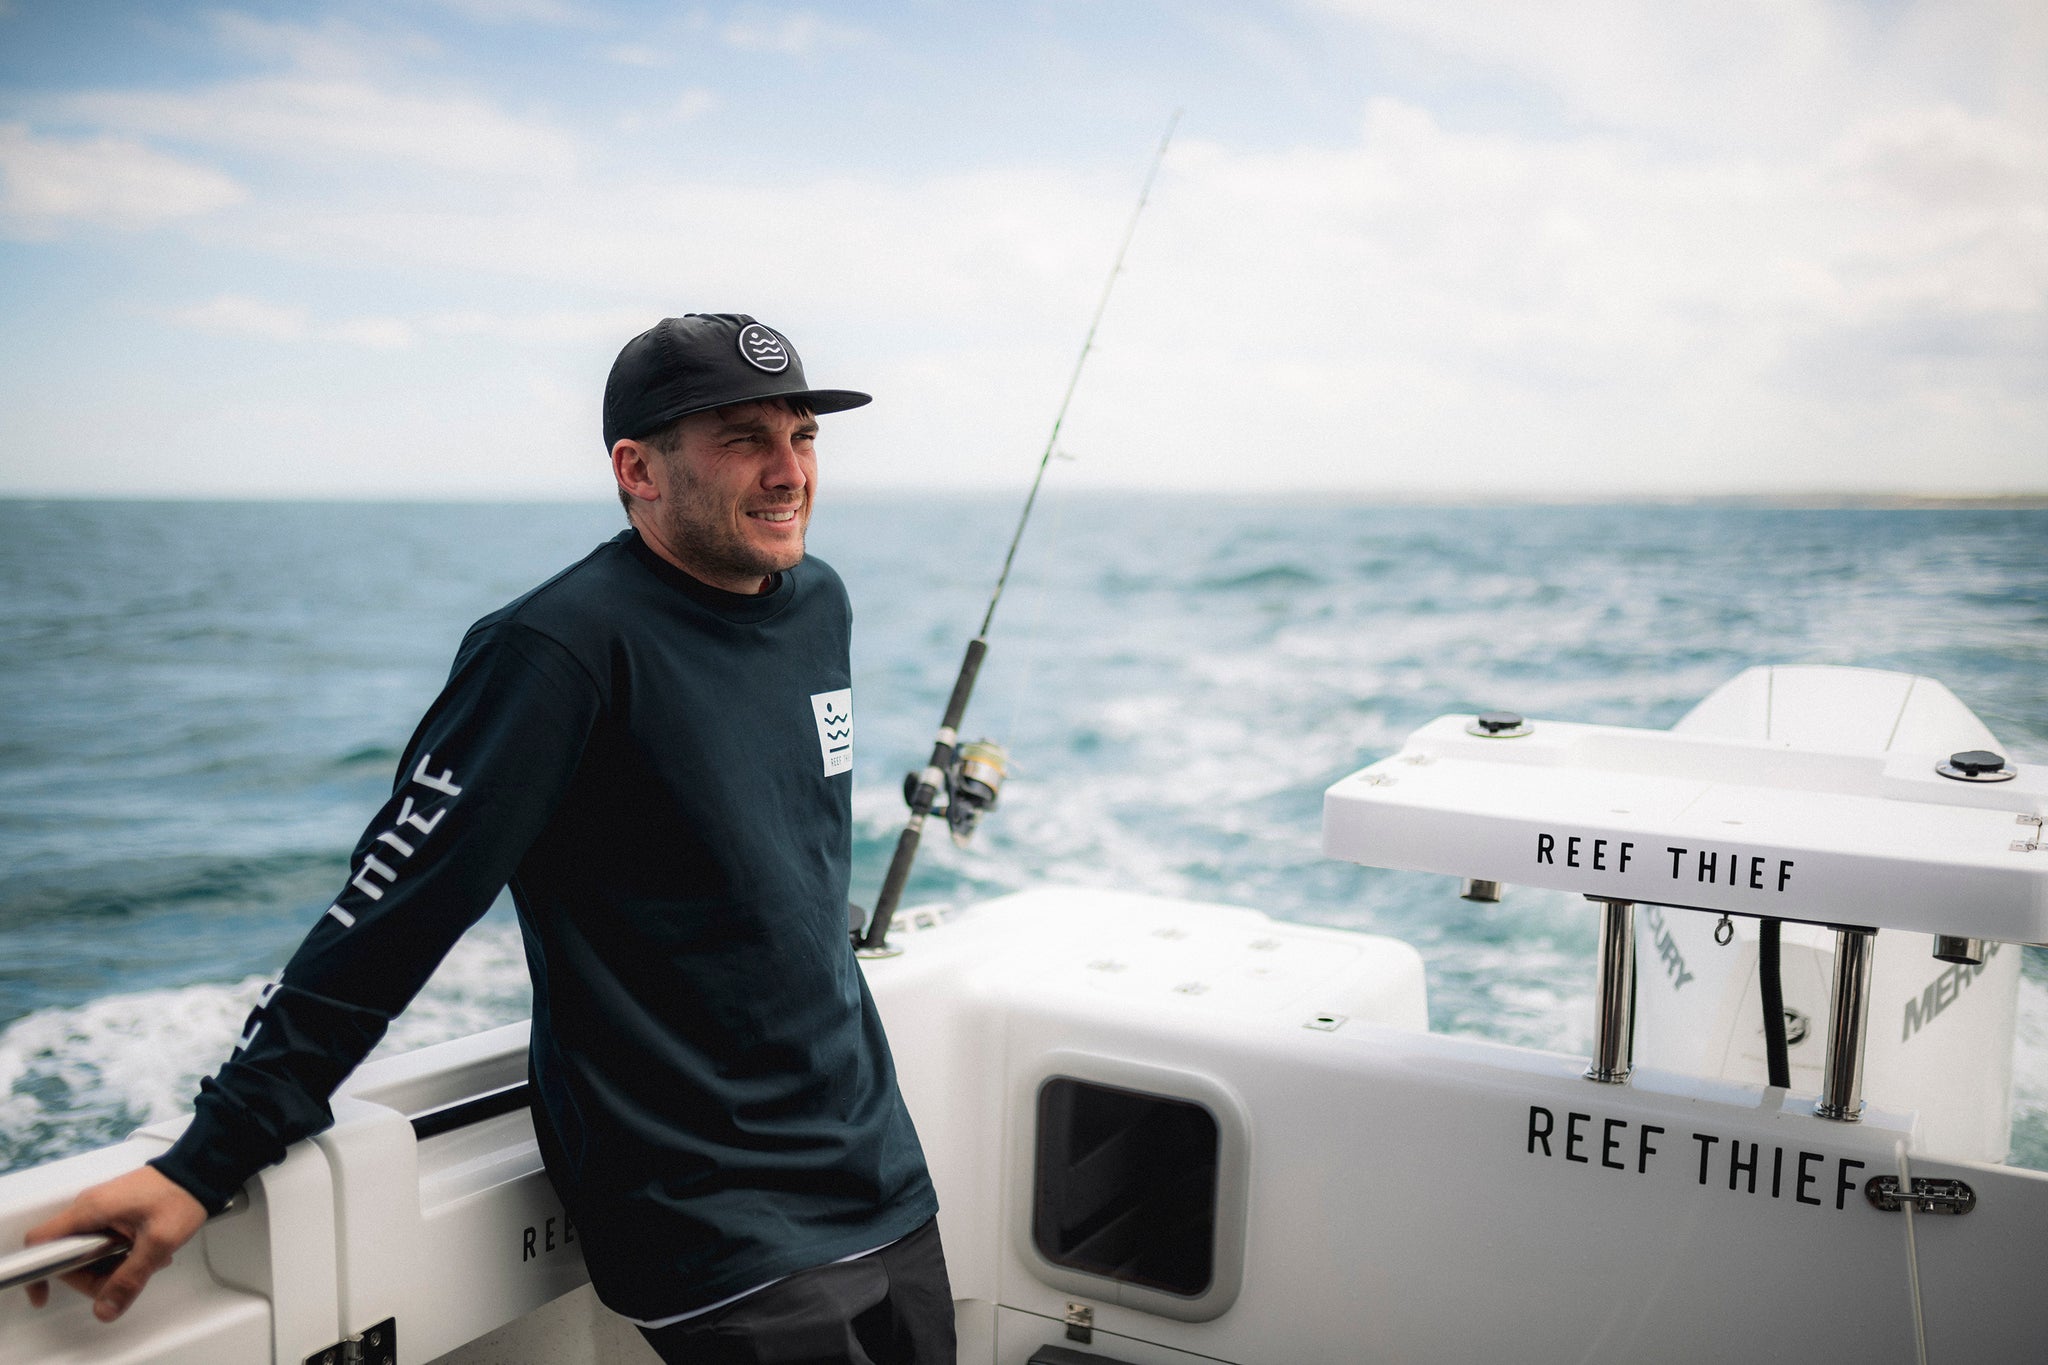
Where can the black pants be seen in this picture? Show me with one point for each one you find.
(892, 1307)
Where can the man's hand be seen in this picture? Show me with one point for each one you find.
(147, 1207)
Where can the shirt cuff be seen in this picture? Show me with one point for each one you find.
(215, 1156)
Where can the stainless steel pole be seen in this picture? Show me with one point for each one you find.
(1614, 1019)
(1841, 1076)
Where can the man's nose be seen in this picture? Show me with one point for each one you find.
(783, 469)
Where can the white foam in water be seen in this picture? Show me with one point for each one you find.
(121, 1061)
(115, 1062)
(1174, 698)
(481, 984)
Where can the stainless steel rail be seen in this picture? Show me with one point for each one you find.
(51, 1259)
(60, 1257)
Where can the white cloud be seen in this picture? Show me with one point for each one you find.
(241, 316)
(344, 91)
(1754, 74)
(237, 315)
(688, 107)
(381, 334)
(330, 47)
(1518, 314)
(598, 326)
(1839, 279)
(104, 181)
(516, 11)
(244, 316)
(794, 35)
(305, 118)
(693, 104)
(1546, 307)
(638, 54)
(1484, 309)
(1942, 158)
(956, 249)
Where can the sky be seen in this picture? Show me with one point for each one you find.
(1397, 248)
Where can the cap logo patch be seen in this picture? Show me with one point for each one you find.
(763, 349)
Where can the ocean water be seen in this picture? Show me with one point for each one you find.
(200, 704)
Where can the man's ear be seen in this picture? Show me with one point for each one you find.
(632, 464)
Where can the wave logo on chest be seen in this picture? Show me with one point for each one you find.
(834, 714)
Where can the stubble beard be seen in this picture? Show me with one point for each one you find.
(696, 527)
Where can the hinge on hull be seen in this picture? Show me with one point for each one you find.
(2032, 843)
(1926, 1196)
(372, 1346)
(1080, 1322)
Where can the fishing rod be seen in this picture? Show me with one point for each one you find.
(970, 776)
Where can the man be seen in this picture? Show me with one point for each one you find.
(654, 750)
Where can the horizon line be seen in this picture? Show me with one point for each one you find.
(1816, 500)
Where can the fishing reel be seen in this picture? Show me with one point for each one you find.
(973, 783)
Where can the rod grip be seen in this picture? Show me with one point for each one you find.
(963, 686)
(893, 883)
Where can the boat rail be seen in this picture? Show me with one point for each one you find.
(47, 1260)
(61, 1257)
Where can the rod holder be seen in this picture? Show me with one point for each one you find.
(1475, 889)
(1614, 1001)
(1841, 1076)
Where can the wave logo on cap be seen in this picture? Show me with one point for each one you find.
(763, 349)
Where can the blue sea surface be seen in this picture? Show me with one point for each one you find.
(200, 703)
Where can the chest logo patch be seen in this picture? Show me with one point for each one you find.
(834, 712)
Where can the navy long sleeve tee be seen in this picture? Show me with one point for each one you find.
(662, 774)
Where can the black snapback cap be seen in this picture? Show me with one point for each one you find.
(702, 361)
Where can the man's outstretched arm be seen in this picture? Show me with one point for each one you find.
(479, 780)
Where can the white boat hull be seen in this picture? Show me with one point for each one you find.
(1405, 1195)
(1164, 1131)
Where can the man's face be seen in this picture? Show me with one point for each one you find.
(737, 493)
